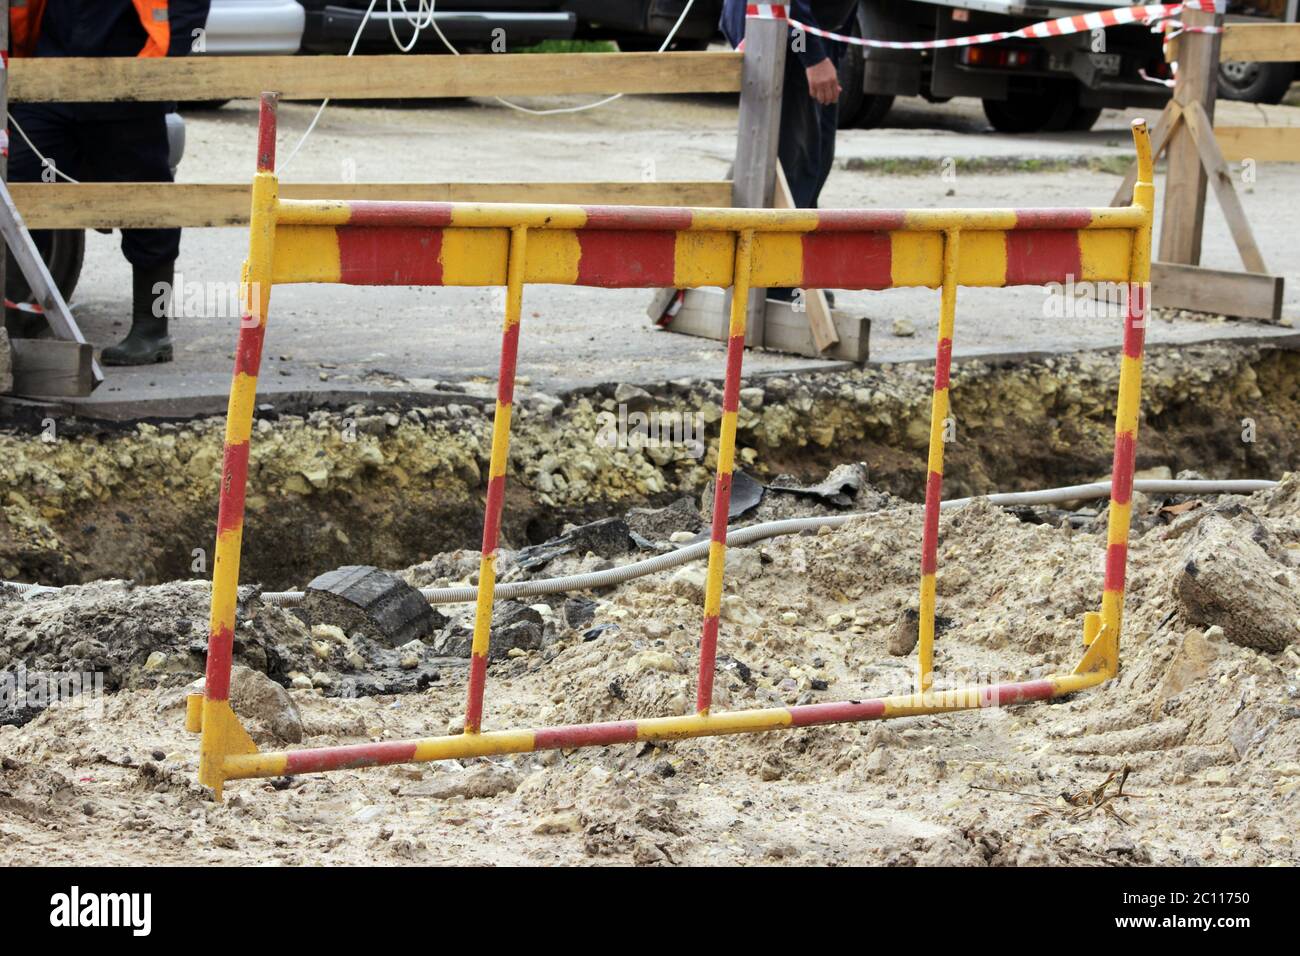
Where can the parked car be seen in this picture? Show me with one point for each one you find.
(471, 25)
(251, 27)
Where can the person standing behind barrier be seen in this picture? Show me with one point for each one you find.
(109, 142)
(810, 101)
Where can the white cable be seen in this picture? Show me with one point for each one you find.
(760, 532)
(425, 18)
(281, 167)
(47, 163)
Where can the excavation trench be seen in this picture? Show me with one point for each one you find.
(393, 486)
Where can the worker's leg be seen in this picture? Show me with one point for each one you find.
(52, 130)
(135, 149)
(828, 121)
(799, 138)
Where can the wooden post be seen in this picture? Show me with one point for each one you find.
(4, 118)
(754, 179)
(1185, 179)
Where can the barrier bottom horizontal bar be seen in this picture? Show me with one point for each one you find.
(428, 749)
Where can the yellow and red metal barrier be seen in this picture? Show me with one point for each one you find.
(397, 243)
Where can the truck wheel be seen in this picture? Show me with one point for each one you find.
(858, 108)
(1084, 118)
(1255, 82)
(1036, 112)
(64, 251)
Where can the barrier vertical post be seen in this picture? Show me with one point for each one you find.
(1185, 178)
(726, 463)
(1105, 645)
(487, 571)
(934, 468)
(222, 734)
(754, 178)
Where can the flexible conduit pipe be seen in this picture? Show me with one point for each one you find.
(772, 529)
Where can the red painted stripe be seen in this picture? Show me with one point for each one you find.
(1135, 324)
(585, 735)
(234, 481)
(1121, 468)
(477, 680)
(1116, 562)
(942, 364)
(266, 132)
(1059, 218)
(1005, 695)
(708, 662)
(248, 350)
(930, 533)
(389, 255)
(807, 715)
(496, 496)
(852, 260)
(349, 757)
(721, 497)
(216, 683)
(509, 360)
(731, 383)
(1036, 257)
(860, 220)
(654, 218)
(367, 212)
(618, 259)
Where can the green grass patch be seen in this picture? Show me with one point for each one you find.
(572, 46)
(988, 165)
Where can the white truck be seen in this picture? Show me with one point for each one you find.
(1054, 84)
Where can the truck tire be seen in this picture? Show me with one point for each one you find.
(859, 109)
(1255, 82)
(64, 251)
(1054, 109)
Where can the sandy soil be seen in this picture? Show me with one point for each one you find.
(1207, 728)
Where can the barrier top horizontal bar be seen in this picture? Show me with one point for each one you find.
(675, 219)
(145, 79)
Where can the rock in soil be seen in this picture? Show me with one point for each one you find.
(265, 707)
(1229, 580)
(514, 625)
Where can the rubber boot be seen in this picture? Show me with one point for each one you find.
(147, 342)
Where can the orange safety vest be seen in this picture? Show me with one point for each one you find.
(25, 25)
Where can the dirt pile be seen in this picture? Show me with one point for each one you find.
(1208, 728)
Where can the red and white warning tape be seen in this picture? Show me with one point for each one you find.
(1145, 14)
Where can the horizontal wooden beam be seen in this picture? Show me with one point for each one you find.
(1219, 291)
(1264, 144)
(160, 205)
(1261, 42)
(107, 79)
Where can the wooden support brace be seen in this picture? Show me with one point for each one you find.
(1220, 178)
(47, 294)
(816, 306)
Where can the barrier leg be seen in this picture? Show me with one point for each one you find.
(726, 464)
(487, 569)
(934, 468)
(222, 733)
(1103, 650)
